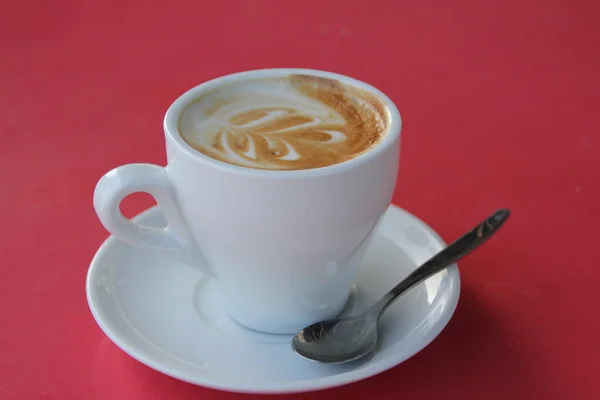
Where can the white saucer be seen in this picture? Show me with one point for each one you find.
(169, 316)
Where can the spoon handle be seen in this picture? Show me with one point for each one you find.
(446, 257)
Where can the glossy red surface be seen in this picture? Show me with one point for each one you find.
(500, 102)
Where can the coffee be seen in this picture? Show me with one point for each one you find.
(283, 246)
(290, 123)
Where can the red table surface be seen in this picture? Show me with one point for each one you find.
(500, 102)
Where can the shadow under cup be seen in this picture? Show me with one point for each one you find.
(284, 246)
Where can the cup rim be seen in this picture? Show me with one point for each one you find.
(170, 123)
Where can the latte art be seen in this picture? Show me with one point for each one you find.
(296, 122)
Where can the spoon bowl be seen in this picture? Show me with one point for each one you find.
(346, 339)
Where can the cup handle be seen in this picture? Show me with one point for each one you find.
(174, 240)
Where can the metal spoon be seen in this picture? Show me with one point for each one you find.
(346, 339)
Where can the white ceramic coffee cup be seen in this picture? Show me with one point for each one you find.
(284, 246)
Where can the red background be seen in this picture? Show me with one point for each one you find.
(500, 101)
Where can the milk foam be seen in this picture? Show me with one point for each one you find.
(282, 123)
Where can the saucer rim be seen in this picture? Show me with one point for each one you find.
(262, 387)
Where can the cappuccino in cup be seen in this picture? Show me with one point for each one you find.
(275, 183)
(288, 123)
